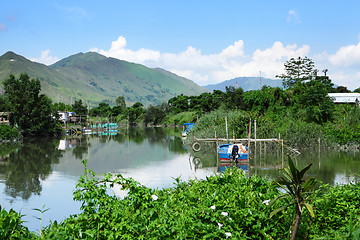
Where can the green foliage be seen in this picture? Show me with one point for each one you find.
(79, 108)
(33, 112)
(345, 128)
(342, 89)
(8, 132)
(312, 97)
(4, 104)
(297, 193)
(154, 114)
(62, 107)
(41, 211)
(179, 103)
(93, 78)
(135, 112)
(11, 226)
(120, 101)
(180, 118)
(297, 71)
(337, 211)
(229, 203)
(234, 98)
(103, 109)
(208, 124)
(213, 208)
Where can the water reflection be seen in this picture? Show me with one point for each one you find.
(331, 167)
(44, 171)
(24, 166)
(28, 165)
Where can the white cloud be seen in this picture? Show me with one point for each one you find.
(118, 50)
(232, 61)
(3, 27)
(293, 17)
(349, 79)
(45, 58)
(204, 69)
(346, 56)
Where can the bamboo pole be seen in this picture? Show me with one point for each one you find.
(236, 140)
(255, 152)
(217, 155)
(249, 135)
(226, 128)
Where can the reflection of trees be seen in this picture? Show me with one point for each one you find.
(30, 164)
(136, 135)
(176, 145)
(81, 148)
(326, 165)
(168, 136)
(155, 135)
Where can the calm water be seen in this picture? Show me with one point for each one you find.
(43, 173)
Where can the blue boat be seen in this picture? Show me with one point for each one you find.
(243, 165)
(233, 152)
(186, 128)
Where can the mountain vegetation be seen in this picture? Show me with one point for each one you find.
(94, 78)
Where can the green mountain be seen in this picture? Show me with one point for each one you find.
(246, 83)
(51, 82)
(95, 78)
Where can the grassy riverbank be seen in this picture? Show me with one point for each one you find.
(229, 204)
(341, 133)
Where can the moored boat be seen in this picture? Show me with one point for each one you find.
(232, 152)
(186, 128)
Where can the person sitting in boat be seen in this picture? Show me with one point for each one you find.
(234, 152)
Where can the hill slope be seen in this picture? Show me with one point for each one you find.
(52, 84)
(246, 83)
(95, 78)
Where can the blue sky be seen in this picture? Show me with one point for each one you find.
(205, 41)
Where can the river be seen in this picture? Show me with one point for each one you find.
(42, 173)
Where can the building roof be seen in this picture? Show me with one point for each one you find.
(345, 97)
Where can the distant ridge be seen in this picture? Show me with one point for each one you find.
(246, 83)
(95, 78)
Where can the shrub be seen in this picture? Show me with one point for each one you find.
(8, 132)
(11, 226)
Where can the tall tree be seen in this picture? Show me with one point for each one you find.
(4, 104)
(296, 71)
(79, 108)
(234, 97)
(313, 97)
(32, 111)
(120, 101)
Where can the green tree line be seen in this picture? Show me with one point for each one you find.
(304, 99)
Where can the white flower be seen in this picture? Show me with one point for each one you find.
(228, 234)
(213, 207)
(154, 197)
(220, 225)
(266, 202)
(225, 214)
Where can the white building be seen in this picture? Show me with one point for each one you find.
(345, 97)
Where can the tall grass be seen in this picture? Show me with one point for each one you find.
(296, 132)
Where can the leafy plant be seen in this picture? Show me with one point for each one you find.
(11, 226)
(225, 205)
(41, 211)
(297, 192)
(8, 132)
